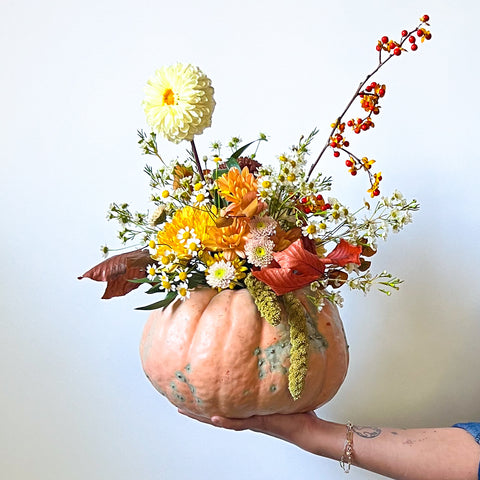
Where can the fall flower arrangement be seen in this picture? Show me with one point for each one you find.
(231, 220)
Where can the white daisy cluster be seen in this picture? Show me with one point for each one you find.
(175, 281)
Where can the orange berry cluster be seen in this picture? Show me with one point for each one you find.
(338, 140)
(369, 100)
(389, 46)
(370, 96)
(313, 204)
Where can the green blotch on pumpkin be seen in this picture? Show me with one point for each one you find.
(273, 388)
(181, 377)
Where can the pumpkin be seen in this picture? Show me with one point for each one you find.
(213, 354)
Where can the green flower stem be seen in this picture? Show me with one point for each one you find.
(297, 321)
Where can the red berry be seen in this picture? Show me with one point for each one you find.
(350, 123)
(368, 88)
(376, 192)
(307, 210)
(346, 143)
(319, 197)
(404, 33)
(304, 200)
(412, 39)
(425, 18)
(381, 92)
(384, 39)
(364, 127)
(419, 32)
(373, 84)
(414, 47)
(353, 172)
(333, 144)
(428, 36)
(348, 163)
(357, 130)
(336, 153)
(378, 48)
(397, 51)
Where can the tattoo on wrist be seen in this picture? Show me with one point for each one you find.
(367, 432)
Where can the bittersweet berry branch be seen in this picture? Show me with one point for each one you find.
(394, 49)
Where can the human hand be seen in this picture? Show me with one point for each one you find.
(301, 429)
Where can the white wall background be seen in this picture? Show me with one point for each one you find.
(74, 403)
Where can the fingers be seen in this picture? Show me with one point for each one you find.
(252, 423)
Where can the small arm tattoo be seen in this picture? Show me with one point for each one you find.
(367, 432)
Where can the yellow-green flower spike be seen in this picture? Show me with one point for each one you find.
(265, 299)
(297, 321)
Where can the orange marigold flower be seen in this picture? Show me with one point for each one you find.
(240, 189)
(230, 239)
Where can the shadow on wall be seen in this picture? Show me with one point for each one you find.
(423, 366)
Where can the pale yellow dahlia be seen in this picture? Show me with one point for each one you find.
(179, 102)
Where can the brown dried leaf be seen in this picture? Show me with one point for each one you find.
(118, 270)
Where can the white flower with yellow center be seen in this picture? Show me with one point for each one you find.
(186, 234)
(259, 251)
(167, 284)
(220, 274)
(152, 272)
(314, 229)
(193, 246)
(182, 291)
(182, 276)
(201, 197)
(152, 245)
(168, 260)
(179, 102)
(263, 226)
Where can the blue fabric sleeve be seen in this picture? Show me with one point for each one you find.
(474, 430)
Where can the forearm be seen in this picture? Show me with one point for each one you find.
(414, 454)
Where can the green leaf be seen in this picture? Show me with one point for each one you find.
(232, 163)
(155, 288)
(161, 304)
(241, 150)
(219, 172)
(139, 280)
(197, 279)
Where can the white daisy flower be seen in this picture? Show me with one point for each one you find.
(220, 274)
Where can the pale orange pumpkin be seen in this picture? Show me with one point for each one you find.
(214, 355)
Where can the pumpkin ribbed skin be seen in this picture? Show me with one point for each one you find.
(214, 355)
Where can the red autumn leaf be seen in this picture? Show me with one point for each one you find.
(118, 270)
(284, 280)
(296, 257)
(343, 253)
(298, 268)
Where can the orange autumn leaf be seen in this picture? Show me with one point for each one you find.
(298, 267)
